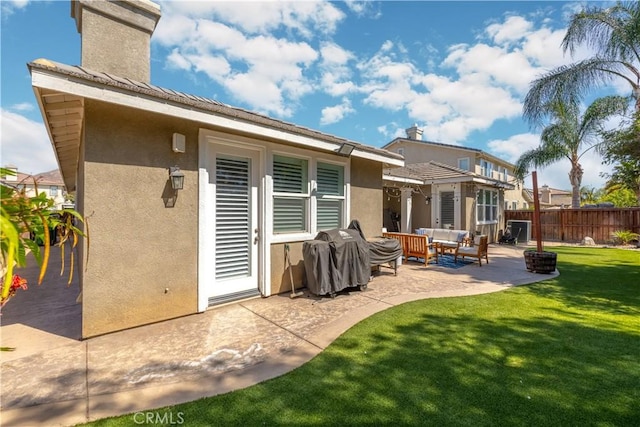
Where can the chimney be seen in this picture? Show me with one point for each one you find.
(116, 35)
(414, 132)
(545, 196)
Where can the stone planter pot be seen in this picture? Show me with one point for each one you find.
(540, 262)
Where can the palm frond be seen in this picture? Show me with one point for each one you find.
(568, 85)
(612, 32)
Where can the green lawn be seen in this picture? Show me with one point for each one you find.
(563, 352)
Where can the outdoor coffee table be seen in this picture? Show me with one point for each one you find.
(446, 248)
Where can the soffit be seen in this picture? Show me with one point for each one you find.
(63, 115)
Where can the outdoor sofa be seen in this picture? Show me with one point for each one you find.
(447, 239)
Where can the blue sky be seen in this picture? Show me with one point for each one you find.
(360, 70)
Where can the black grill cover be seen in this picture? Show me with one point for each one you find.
(319, 267)
(380, 251)
(346, 264)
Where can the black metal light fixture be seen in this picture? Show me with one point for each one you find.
(177, 178)
(346, 149)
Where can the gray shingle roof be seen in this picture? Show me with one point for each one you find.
(198, 102)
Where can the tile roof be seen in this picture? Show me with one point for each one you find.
(433, 172)
(195, 101)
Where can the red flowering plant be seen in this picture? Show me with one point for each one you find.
(25, 221)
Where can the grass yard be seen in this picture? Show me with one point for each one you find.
(563, 352)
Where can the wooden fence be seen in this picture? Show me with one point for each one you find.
(573, 225)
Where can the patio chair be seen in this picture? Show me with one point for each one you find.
(477, 249)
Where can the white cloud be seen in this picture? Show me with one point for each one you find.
(10, 6)
(501, 67)
(512, 30)
(23, 106)
(489, 81)
(261, 70)
(25, 144)
(336, 113)
(261, 17)
(364, 8)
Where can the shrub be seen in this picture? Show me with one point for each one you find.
(624, 236)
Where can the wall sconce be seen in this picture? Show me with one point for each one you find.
(346, 149)
(427, 200)
(177, 178)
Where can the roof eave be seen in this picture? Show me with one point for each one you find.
(51, 78)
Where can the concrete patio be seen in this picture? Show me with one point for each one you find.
(54, 378)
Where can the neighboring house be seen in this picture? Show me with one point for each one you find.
(448, 186)
(252, 185)
(50, 183)
(549, 198)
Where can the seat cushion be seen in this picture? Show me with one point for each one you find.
(441, 235)
(468, 250)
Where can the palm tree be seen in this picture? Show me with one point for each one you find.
(614, 34)
(570, 136)
(588, 195)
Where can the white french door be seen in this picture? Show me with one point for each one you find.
(230, 259)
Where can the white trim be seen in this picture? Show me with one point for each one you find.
(403, 180)
(313, 158)
(206, 139)
(75, 86)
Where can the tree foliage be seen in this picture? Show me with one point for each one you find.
(570, 135)
(24, 221)
(614, 35)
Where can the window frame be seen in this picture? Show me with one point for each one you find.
(486, 168)
(311, 215)
(484, 207)
(305, 196)
(330, 197)
(468, 160)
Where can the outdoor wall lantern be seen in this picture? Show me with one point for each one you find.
(346, 149)
(177, 178)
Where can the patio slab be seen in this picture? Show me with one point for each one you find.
(53, 378)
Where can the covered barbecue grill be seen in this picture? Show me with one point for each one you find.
(381, 251)
(335, 260)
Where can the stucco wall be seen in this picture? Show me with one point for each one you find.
(366, 195)
(142, 263)
(420, 211)
(110, 46)
(415, 152)
(280, 279)
(366, 207)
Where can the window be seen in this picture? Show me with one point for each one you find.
(330, 196)
(290, 194)
(296, 209)
(505, 174)
(514, 205)
(53, 191)
(486, 168)
(401, 151)
(463, 164)
(487, 206)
